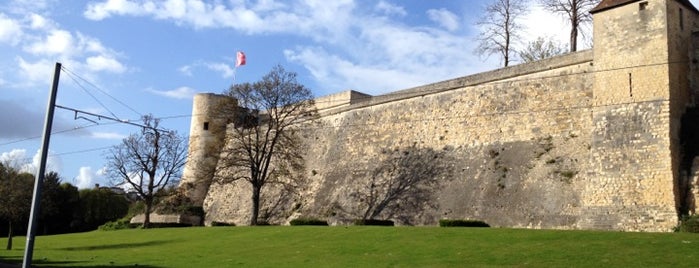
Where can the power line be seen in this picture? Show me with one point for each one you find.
(85, 150)
(55, 132)
(72, 74)
(90, 94)
(100, 117)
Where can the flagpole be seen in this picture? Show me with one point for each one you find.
(235, 70)
(239, 61)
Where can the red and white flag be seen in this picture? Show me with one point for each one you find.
(239, 59)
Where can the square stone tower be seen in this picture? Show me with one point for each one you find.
(641, 90)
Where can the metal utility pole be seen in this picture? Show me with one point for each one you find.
(39, 178)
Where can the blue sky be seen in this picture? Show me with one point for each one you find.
(131, 57)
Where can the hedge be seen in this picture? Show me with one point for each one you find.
(690, 224)
(462, 223)
(308, 221)
(374, 222)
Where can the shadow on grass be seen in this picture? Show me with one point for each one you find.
(118, 246)
(17, 262)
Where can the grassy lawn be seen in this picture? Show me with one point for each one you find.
(355, 246)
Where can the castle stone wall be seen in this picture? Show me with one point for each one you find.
(588, 140)
(517, 147)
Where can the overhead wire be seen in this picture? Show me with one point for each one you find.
(90, 94)
(53, 132)
(68, 71)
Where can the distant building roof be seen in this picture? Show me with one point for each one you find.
(608, 4)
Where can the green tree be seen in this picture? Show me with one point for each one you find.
(49, 200)
(59, 206)
(263, 146)
(148, 162)
(98, 206)
(15, 196)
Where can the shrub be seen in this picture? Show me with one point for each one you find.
(689, 224)
(218, 223)
(308, 221)
(462, 223)
(123, 223)
(178, 203)
(168, 225)
(374, 222)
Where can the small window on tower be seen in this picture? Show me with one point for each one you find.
(642, 6)
(681, 19)
(206, 125)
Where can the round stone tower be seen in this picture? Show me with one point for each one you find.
(210, 115)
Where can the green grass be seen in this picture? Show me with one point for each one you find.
(359, 246)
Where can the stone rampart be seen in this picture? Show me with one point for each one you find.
(587, 140)
(516, 140)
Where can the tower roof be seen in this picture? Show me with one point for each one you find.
(608, 4)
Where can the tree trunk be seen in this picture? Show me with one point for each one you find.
(255, 204)
(146, 218)
(9, 236)
(574, 39)
(574, 23)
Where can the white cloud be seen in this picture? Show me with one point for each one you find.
(390, 9)
(104, 63)
(362, 48)
(36, 72)
(186, 70)
(267, 5)
(45, 42)
(16, 158)
(53, 163)
(108, 135)
(542, 23)
(10, 30)
(178, 93)
(100, 11)
(225, 70)
(338, 73)
(26, 6)
(57, 42)
(38, 22)
(444, 18)
(87, 177)
(303, 17)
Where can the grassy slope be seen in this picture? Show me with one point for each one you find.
(302, 246)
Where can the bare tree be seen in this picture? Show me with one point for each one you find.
(540, 49)
(262, 146)
(576, 12)
(500, 28)
(147, 162)
(403, 183)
